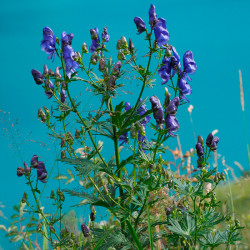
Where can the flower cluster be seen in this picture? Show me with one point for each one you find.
(34, 164)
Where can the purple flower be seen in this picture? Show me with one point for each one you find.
(19, 171)
(189, 63)
(157, 111)
(161, 33)
(50, 88)
(48, 44)
(142, 141)
(199, 149)
(38, 77)
(140, 25)
(34, 161)
(63, 96)
(141, 111)
(85, 230)
(173, 105)
(185, 88)
(71, 64)
(212, 142)
(27, 170)
(105, 35)
(41, 172)
(116, 69)
(95, 40)
(152, 16)
(175, 62)
(165, 70)
(172, 124)
(92, 216)
(66, 39)
(124, 137)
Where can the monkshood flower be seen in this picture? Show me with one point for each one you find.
(66, 39)
(185, 88)
(165, 70)
(152, 16)
(85, 230)
(161, 33)
(27, 170)
(34, 161)
(105, 35)
(212, 142)
(19, 171)
(124, 137)
(95, 40)
(92, 216)
(199, 149)
(131, 46)
(172, 124)
(173, 105)
(38, 77)
(50, 87)
(63, 96)
(116, 69)
(41, 172)
(140, 25)
(189, 64)
(157, 111)
(57, 73)
(175, 62)
(71, 64)
(141, 111)
(48, 44)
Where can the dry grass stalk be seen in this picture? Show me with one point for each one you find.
(241, 91)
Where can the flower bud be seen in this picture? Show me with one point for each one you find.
(121, 56)
(112, 80)
(199, 150)
(168, 210)
(118, 45)
(62, 142)
(84, 48)
(126, 52)
(77, 57)
(51, 73)
(41, 114)
(57, 73)
(77, 134)
(45, 71)
(131, 46)
(27, 170)
(102, 64)
(133, 131)
(37, 76)
(94, 58)
(200, 140)
(167, 98)
(52, 195)
(61, 196)
(141, 128)
(52, 229)
(63, 154)
(85, 230)
(124, 43)
(64, 85)
(63, 95)
(168, 51)
(24, 199)
(116, 69)
(70, 138)
(222, 176)
(92, 216)
(93, 34)
(39, 227)
(19, 171)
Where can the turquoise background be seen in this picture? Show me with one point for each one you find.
(217, 31)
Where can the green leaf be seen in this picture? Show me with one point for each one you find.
(150, 230)
(134, 235)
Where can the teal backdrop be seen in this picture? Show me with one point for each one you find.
(217, 31)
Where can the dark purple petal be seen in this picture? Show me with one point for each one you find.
(117, 68)
(63, 96)
(152, 16)
(85, 230)
(173, 105)
(142, 141)
(189, 63)
(95, 40)
(105, 35)
(66, 39)
(50, 88)
(172, 124)
(48, 44)
(41, 172)
(161, 33)
(199, 149)
(26, 168)
(140, 25)
(38, 77)
(71, 65)
(165, 70)
(209, 140)
(34, 161)
(19, 171)
(175, 62)
(141, 111)
(123, 138)
(157, 111)
(185, 88)
(127, 106)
